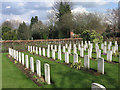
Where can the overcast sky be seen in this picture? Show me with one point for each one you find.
(23, 11)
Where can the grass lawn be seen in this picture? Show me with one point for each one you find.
(66, 77)
(62, 75)
(12, 77)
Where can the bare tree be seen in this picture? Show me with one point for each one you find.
(112, 18)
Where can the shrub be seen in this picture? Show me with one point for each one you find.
(92, 36)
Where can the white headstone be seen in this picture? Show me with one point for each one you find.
(75, 49)
(75, 58)
(43, 51)
(51, 47)
(66, 57)
(102, 45)
(113, 49)
(59, 47)
(96, 86)
(86, 62)
(22, 58)
(81, 43)
(98, 53)
(89, 42)
(28, 48)
(13, 53)
(63, 49)
(108, 46)
(105, 43)
(36, 50)
(47, 73)
(89, 53)
(109, 56)
(79, 47)
(82, 52)
(38, 68)
(115, 42)
(48, 52)
(53, 54)
(31, 48)
(66, 45)
(55, 48)
(101, 65)
(40, 51)
(26, 60)
(59, 55)
(32, 64)
(104, 49)
(17, 56)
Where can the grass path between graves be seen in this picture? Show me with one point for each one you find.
(62, 75)
(12, 77)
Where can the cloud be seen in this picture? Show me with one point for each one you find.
(23, 10)
(8, 6)
(79, 10)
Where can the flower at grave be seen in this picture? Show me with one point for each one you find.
(42, 79)
(9, 55)
(77, 65)
(15, 61)
(104, 54)
(26, 68)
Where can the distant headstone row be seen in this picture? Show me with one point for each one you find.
(75, 57)
(78, 47)
(17, 56)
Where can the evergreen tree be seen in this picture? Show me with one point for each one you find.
(64, 16)
(23, 32)
(33, 21)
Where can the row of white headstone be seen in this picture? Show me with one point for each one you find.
(75, 60)
(17, 55)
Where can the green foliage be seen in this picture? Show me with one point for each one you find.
(39, 31)
(77, 65)
(5, 29)
(10, 35)
(23, 32)
(34, 76)
(92, 36)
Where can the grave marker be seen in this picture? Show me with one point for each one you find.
(66, 57)
(75, 58)
(27, 62)
(32, 64)
(96, 86)
(47, 73)
(86, 62)
(22, 58)
(101, 65)
(38, 68)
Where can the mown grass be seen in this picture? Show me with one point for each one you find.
(62, 75)
(12, 77)
(66, 77)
